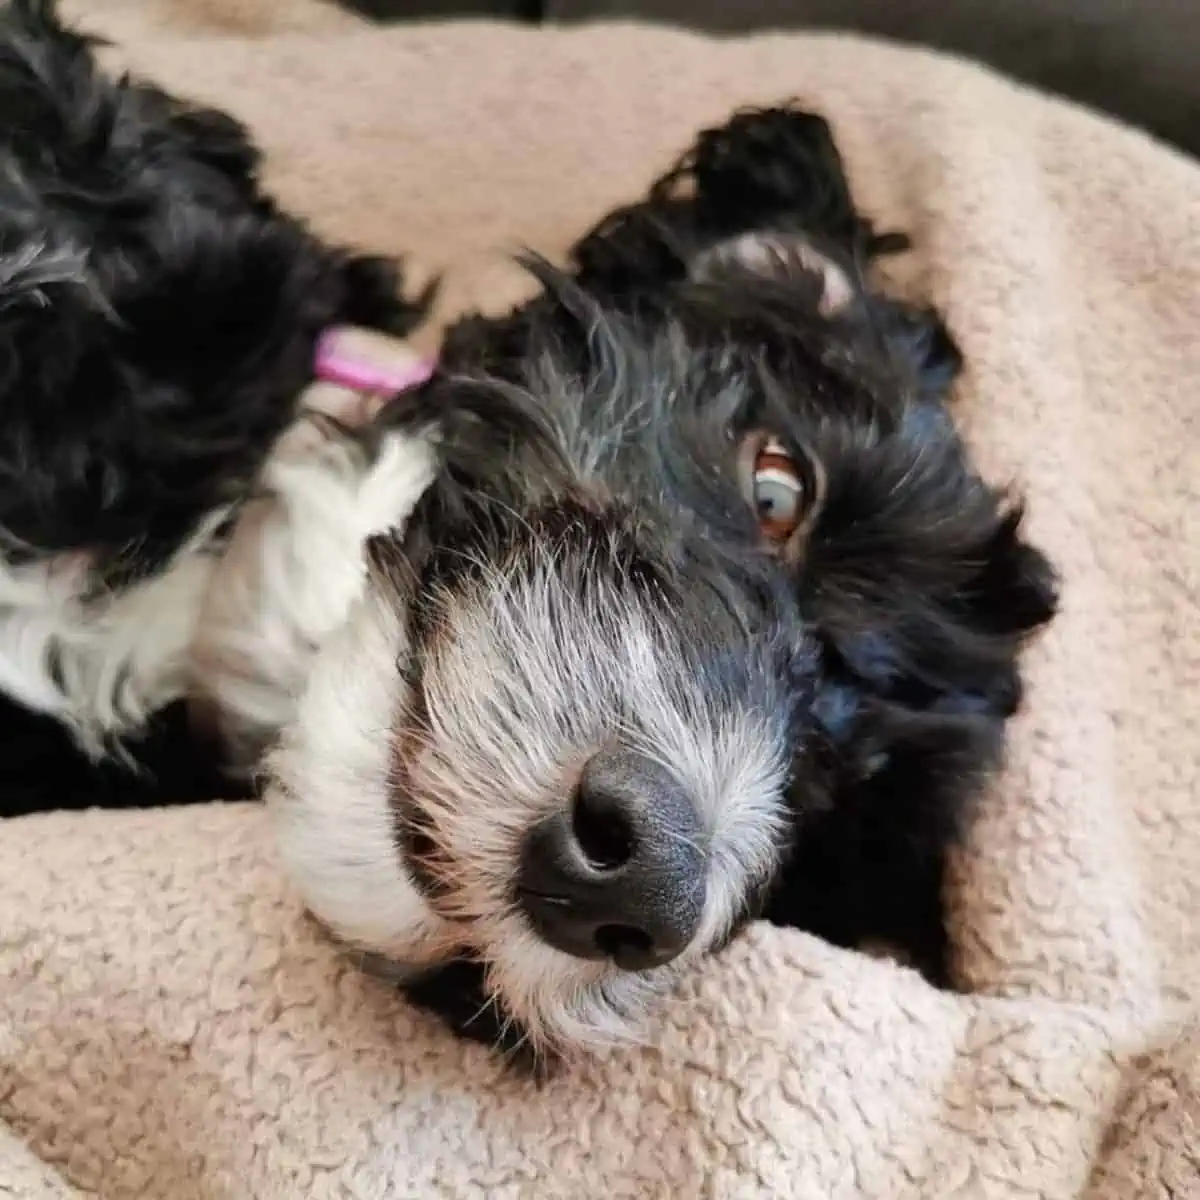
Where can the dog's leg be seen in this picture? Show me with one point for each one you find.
(333, 479)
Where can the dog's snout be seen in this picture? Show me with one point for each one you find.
(621, 872)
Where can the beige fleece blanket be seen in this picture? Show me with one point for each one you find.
(170, 1026)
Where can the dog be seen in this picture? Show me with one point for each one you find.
(160, 318)
(706, 616)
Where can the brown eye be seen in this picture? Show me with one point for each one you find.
(781, 488)
(778, 492)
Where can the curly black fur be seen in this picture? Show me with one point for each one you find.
(160, 312)
(158, 317)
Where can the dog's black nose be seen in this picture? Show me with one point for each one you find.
(621, 874)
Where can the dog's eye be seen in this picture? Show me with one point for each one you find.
(784, 486)
(782, 495)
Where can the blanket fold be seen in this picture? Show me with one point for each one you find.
(171, 1025)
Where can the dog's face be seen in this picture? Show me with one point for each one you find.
(556, 734)
(705, 549)
(589, 702)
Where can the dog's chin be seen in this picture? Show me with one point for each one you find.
(330, 790)
(567, 1006)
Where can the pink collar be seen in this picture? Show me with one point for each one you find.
(364, 360)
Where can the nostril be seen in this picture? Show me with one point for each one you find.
(622, 942)
(603, 832)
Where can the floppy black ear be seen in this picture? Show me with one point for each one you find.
(909, 719)
(920, 343)
(953, 651)
(765, 167)
(993, 613)
(894, 788)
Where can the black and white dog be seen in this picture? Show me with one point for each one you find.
(672, 600)
(707, 615)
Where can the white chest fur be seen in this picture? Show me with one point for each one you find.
(102, 666)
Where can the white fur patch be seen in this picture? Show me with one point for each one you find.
(294, 569)
(241, 630)
(330, 793)
(120, 658)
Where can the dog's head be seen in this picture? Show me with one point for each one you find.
(557, 731)
(157, 314)
(699, 504)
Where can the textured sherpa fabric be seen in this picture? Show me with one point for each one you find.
(172, 1028)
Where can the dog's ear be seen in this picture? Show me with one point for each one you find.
(909, 718)
(953, 649)
(915, 338)
(920, 344)
(769, 168)
(785, 258)
(867, 869)
(764, 171)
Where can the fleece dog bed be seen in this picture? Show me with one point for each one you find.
(171, 1027)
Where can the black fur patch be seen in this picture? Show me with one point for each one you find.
(158, 320)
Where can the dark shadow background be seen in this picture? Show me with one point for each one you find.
(1138, 60)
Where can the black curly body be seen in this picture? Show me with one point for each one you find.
(158, 318)
(751, 266)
